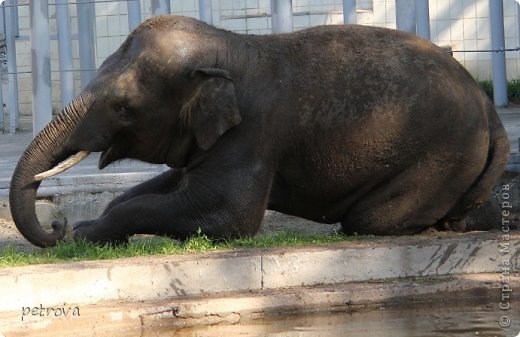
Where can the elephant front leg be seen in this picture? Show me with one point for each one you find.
(221, 209)
(126, 216)
(162, 183)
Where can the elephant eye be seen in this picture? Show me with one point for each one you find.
(125, 113)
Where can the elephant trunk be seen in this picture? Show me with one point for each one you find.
(46, 150)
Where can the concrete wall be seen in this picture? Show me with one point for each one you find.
(461, 24)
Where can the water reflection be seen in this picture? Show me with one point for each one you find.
(420, 321)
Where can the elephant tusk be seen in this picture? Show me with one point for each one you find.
(65, 165)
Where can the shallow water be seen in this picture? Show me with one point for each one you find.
(421, 321)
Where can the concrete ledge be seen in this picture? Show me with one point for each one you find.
(159, 277)
(89, 183)
(130, 318)
(76, 197)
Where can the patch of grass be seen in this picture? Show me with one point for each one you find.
(287, 239)
(69, 251)
(513, 90)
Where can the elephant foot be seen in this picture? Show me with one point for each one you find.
(453, 225)
(89, 231)
(59, 227)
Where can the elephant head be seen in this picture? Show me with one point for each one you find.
(159, 98)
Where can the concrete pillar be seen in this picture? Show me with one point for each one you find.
(65, 51)
(16, 24)
(40, 65)
(206, 11)
(281, 16)
(349, 12)
(498, 59)
(87, 46)
(423, 18)
(161, 7)
(405, 15)
(2, 48)
(2, 125)
(134, 13)
(518, 19)
(12, 101)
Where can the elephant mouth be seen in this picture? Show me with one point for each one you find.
(105, 158)
(110, 155)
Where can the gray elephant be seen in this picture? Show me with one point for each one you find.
(373, 128)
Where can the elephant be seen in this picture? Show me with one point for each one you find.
(373, 128)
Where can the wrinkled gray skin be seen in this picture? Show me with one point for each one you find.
(374, 128)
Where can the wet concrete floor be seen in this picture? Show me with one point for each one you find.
(461, 320)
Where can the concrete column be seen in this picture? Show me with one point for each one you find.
(423, 18)
(498, 59)
(281, 16)
(206, 11)
(134, 13)
(2, 48)
(12, 101)
(2, 126)
(65, 51)
(349, 12)
(16, 24)
(40, 65)
(86, 40)
(518, 19)
(405, 15)
(161, 7)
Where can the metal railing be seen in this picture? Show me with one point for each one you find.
(411, 15)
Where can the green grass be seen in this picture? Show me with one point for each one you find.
(513, 90)
(69, 251)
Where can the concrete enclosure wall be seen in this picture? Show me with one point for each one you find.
(461, 25)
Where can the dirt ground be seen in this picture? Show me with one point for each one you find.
(9, 235)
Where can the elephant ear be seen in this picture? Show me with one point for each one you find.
(211, 109)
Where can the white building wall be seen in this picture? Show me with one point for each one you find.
(464, 25)
(460, 24)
